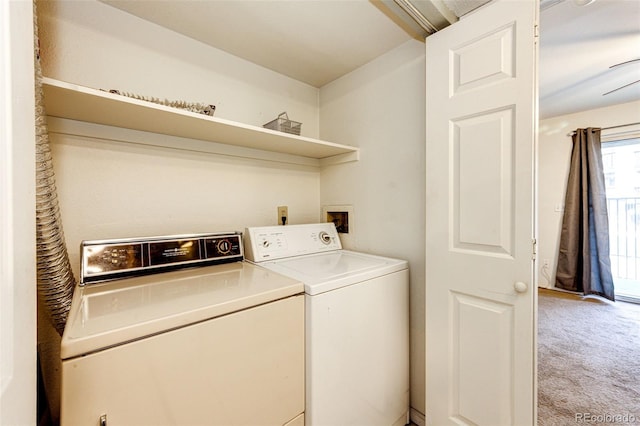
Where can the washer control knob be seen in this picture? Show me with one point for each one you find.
(325, 237)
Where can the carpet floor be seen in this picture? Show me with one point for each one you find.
(588, 360)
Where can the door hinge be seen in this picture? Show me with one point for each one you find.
(534, 248)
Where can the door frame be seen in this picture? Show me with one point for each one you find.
(18, 334)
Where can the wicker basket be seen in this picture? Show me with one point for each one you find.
(283, 124)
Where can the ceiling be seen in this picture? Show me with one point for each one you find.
(317, 41)
(578, 44)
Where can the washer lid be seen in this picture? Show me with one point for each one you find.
(329, 271)
(113, 313)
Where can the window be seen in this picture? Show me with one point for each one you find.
(608, 159)
(621, 163)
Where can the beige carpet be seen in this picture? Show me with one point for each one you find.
(588, 360)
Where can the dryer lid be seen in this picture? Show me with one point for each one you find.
(117, 312)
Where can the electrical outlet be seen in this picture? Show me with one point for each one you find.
(283, 215)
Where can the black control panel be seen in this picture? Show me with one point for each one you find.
(110, 259)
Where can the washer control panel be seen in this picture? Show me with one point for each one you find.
(103, 260)
(276, 242)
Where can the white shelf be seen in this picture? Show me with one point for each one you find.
(73, 102)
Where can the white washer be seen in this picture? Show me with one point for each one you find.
(216, 345)
(357, 323)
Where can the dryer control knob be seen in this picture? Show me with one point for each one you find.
(224, 247)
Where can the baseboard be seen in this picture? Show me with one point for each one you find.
(417, 417)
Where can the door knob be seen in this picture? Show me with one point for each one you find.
(520, 287)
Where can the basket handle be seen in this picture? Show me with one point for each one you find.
(285, 114)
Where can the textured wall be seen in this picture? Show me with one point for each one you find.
(381, 109)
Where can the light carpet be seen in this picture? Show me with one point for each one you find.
(588, 360)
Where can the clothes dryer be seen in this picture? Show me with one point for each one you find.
(356, 321)
(217, 345)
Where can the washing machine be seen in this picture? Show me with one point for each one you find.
(357, 323)
(180, 331)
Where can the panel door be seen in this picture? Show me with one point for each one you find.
(480, 284)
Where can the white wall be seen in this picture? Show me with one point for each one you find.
(108, 189)
(381, 109)
(554, 156)
(95, 45)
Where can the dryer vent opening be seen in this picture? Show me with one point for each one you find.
(341, 216)
(340, 219)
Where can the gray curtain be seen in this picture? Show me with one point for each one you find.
(583, 259)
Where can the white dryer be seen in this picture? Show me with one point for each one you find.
(213, 345)
(357, 323)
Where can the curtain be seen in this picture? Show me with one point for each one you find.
(583, 259)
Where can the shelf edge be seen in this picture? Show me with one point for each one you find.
(236, 134)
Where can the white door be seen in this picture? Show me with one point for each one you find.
(17, 216)
(480, 286)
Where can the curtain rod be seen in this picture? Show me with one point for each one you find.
(608, 128)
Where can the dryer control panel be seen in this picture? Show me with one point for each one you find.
(277, 242)
(103, 260)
